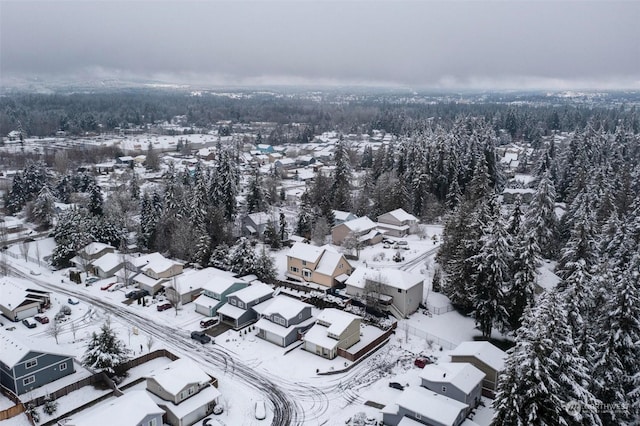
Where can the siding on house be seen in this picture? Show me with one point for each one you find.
(34, 370)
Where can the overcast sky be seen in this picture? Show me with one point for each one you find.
(437, 44)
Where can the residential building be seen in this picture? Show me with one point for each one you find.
(254, 224)
(363, 228)
(107, 265)
(89, 253)
(215, 291)
(397, 223)
(334, 329)
(342, 217)
(282, 319)
(134, 408)
(320, 265)
(458, 380)
(21, 299)
(155, 265)
(484, 356)
(238, 311)
(24, 367)
(417, 404)
(387, 289)
(184, 391)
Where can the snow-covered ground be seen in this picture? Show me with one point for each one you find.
(325, 399)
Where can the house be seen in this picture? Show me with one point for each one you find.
(254, 224)
(238, 311)
(387, 289)
(20, 299)
(417, 405)
(151, 285)
(89, 253)
(184, 391)
(215, 291)
(285, 164)
(320, 265)
(484, 356)
(107, 265)
(157, 266)
(187, 286)
(334, 329)
(282, 319)
(457, 380)
(509, 195)
(397, 223)
(134, 408)
(305, 160)
(342, 217)
(264, 148)
(362, 228)
(23, 367)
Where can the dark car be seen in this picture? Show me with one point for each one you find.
(41, 319)
(200, 336)
(421, 361)
(396, 385)
(136, 294)
(208, 322)
(29, 323)
(163, 307)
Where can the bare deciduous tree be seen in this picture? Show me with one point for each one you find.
(54, 330)
(74, 329)
(150, 342)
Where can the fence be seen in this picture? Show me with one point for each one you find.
(21, 256)
(440, 309)
(363, 351)
(10, 412)
(445, 344)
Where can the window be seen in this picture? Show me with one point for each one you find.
(306, 273)
(31, 363)
(63, 366)
(304, 263)
(399, 291)
(444, 389)
(418, 416)
(240, 304)
(340, 266)
(153, 422)
(294, 269)
(232, 302)
(29, 380)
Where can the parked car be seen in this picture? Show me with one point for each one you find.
(386, 246)
(108, 286)
(421, 361)
(60, 317)
(136, 294)
(163, 307)
(208, 322)
(402, 243)
(65, 310)
(41, 319)
(117, 287)
(200, 336)
(72, 301)
(261, 410)
(396, 385)
(29, 323)
(91, 280)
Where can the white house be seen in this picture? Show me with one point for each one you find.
(135, 407)
(397, 223)
(334, 329)
(417, 405)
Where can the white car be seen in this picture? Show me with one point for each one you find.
(261, 410)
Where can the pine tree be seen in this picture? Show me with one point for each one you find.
(95, 200)
(543, 373)
(220, 257)
(541, 218)
(306, 217)
(44, 207)
(255, 195)
(264, 267)
(526, 259)
(242, 257)
(340, 188)
(105, 351)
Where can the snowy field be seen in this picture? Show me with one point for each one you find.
(325, 399)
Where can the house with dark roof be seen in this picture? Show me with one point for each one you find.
(24, 367)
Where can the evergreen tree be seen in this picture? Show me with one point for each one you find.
(242, 257)
(541, 218)
(105, 351)
(306, 217)
(341, 186)
(526, 259)
(255, 195)
(152, 159)
(264, 267)
(95, 200)
(543, 373)
(220, 257)
(44, 208)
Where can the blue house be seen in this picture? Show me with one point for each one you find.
(214, 293)
(238, 311)
(23, 368)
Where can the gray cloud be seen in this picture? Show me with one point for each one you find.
(419, 43)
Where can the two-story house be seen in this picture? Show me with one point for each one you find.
(183, 391)
(154, 270)
(320, 265)
(484, 356)
(334, 329)
(363, 228)
(238, 311)
(397, 223)
(254, 224)
(107, 265)
(92, 251)
(458, 380)
(418, 405)
(387, 289)
(23, 368)
(282, 319)
(21, 300)
(134, 408)
(214, 293)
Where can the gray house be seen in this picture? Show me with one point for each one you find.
(134, 408)
(238, 311)
(417, 405)
(215, 291)
(23, 368)
(485, 357)
(282, 319)
(254, 224)
(458, 380)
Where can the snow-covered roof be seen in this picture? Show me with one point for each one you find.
(206, 301)
(178, 374)
(286, 306)
(108, 261)
(14, 292)
(231, 311)
(260, 218)
(389, 276)
(319, 336)
(483, 351)
(341, 215)
(154, 261)
(402, 215)
(462, 375)
(305, 252)
(11, 350)
(338, 320)
(329, 262)
(191, 404)
(369, 235)
(221, 283)
(148, 281)
(203, 278)
(252, 292)
(95, 248)
(360, 224)
(438, 408)
(128, 409)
